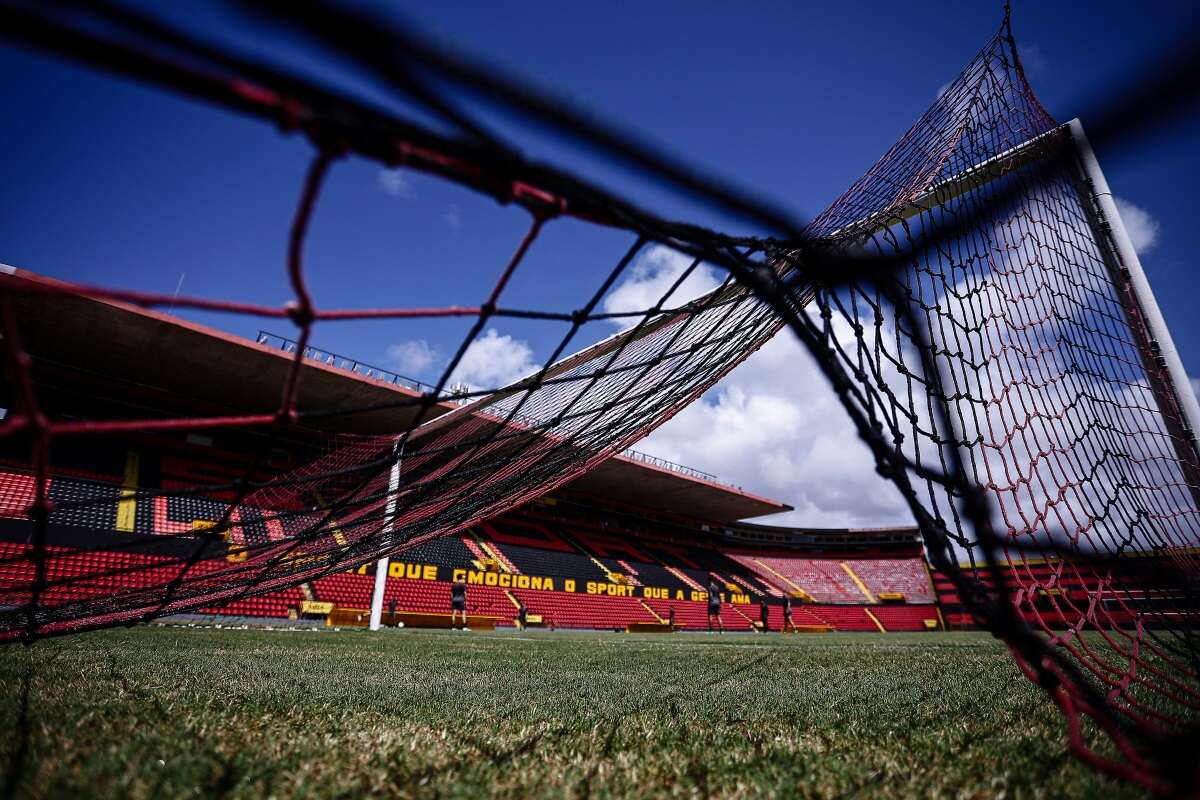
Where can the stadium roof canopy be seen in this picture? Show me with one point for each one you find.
(167, 357)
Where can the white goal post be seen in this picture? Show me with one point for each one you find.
(381, 566)
(1169, 381)
(1163, 346)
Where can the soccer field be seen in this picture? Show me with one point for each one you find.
(168, 712)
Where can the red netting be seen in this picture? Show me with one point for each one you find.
(964, 298)
(447, 465)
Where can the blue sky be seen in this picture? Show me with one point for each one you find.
(113, 183)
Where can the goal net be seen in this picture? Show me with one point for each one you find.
(984, 319)
(968, 299)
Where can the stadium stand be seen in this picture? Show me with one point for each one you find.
(585, 567)
(585, 611)
(822, 580)
(907, 618)
(1143, 590)
(539, 551)
(581, 558)
(905, 577)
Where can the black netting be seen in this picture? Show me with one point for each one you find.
(964, 298)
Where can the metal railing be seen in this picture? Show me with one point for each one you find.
(655, 461)
(387, 376)
(343, 362)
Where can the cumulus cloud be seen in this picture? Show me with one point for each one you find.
(651, 276)
(774, 426)
(395, 183)
(494, 360)
(453, 217)
(1141, 226)
(412, 357)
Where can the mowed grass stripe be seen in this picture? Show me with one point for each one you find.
(153, 712)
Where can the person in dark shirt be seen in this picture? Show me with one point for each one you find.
(787, 613)
(522, 615)
(765, 612)
(392, 611)
(671, 617)
(714, 604)
(458, 603)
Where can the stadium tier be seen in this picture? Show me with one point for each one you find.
(624, 544)
(1141, 590)
(573, 561)
(547, 555)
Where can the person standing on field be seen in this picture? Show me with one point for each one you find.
(522, 615)
(458, 603)
(714, 604)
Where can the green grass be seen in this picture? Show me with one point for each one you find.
(173, 712)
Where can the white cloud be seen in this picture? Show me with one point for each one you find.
(774, 426)
(412, 357)
(1196, 386)
(652, 276)
(1139, 224)
(395, 183)
(453, 217)
(945, 87)
(494, 360)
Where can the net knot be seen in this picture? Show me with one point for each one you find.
(302, 314)
(542, 204)
(41, 509)
(330, 146)
(36, 421)
(401, 155)
(287, 416)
